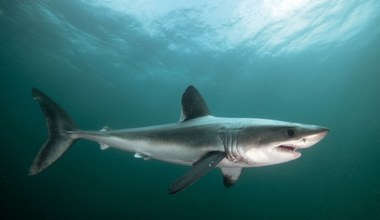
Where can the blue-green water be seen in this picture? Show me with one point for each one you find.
(125, 64)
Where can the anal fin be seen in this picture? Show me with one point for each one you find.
(199, 169)
(143, 156)
(104, 146)
(105, 128)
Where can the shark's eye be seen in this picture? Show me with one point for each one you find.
(290, 132)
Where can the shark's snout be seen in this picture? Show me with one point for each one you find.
(321, 132)
(307, 137)
(313, 136)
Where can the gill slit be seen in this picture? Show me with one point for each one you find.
(230, 140)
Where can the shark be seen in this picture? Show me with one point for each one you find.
(198, 139)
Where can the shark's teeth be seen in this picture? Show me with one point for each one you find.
(286, 148)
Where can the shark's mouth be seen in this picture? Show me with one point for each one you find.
(286, 148)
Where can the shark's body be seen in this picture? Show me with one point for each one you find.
(199, 139)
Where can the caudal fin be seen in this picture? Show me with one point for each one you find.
(60, 127)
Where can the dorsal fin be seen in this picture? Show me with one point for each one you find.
(193, 105)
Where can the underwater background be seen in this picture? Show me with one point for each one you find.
(125, 64)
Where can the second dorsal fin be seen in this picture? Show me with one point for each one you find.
(193, 105)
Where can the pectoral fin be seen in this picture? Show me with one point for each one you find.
(199, 169)
(230, 175)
